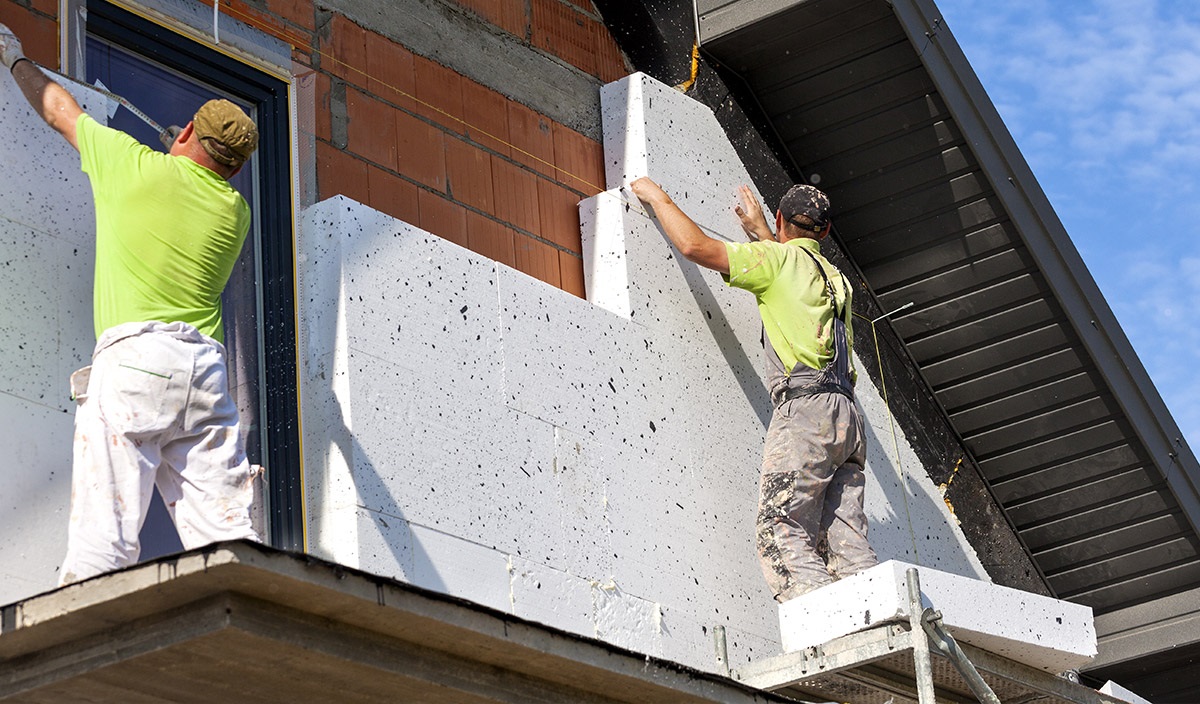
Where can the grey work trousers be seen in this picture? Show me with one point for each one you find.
(812, 487)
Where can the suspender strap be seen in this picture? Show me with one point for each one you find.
(839, 311)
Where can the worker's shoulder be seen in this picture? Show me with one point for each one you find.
(108, 142)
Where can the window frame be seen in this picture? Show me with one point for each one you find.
(280, 408)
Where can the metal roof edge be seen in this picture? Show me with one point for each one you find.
(1051, 247)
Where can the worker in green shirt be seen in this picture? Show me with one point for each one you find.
(154, 407)
(812, 474)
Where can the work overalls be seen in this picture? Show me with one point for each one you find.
(154, 410)
(812, 473)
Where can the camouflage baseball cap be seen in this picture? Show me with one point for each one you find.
(805, 200)
(226, 124)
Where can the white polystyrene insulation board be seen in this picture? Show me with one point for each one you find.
(456, 410)
(1113, 689)
(632, 271)
(47, 230)
(1040, 631)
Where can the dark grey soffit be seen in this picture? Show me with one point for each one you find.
(876, 103)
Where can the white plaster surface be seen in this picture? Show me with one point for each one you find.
(46, 252)
(632, 271)
(1115, 690)
(509, 457)
(1039, 631)
(588, 465)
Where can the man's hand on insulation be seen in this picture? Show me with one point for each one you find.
(649, 192)
(751, 214)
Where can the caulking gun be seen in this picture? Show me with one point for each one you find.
(165, 135)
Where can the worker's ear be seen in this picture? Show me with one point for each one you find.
(186, 134)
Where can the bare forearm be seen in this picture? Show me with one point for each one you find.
(50, 100)
(683, 232)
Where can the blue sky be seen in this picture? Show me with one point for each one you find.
(1103, 98)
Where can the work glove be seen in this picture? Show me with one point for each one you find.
(168, 136)
(10, 47)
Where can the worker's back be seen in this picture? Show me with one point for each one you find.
(792, 297)
(168, 232)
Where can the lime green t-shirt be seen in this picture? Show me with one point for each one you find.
(168, 232)
(792, 298)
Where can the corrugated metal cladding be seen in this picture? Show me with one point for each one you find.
(850, 98)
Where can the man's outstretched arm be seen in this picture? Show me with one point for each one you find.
(683, 232)
(50, 100)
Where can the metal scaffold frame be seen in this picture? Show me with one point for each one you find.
(911, 662)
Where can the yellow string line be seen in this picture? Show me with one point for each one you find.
(895, 441)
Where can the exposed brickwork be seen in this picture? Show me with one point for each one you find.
(393, 195)
(558, 214)
(439, 94)
(537, 259)
(421, 151)
(46, 7)
(339, 172)
(516, 195)
(36, 27)
(485, 113)
(509, 15)
(372, 129)
(443, 217)
(580, 160)
(469, 175)
(532, 138)
(571, 274)
(564, 31)
(343, 51)
(490, 238)
(291, 21)
(424, 143)
(390, 71)
(610, 63)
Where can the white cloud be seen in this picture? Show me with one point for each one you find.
(1103, 97)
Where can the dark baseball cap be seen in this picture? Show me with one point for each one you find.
(805, 200)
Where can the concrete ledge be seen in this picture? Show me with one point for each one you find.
(1038, 631)
(243, 622)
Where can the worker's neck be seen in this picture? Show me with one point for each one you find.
(225, 172)
(785, 236)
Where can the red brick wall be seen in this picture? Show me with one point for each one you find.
(35, 22)
(429, 145)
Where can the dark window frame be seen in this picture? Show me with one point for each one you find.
(281, 422)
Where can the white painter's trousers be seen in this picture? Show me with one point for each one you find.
(156, 410)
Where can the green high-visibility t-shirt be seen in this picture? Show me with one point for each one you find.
(168, 232)
(792, 298)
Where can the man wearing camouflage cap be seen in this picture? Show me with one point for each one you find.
(154, 407)
(812, 480)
